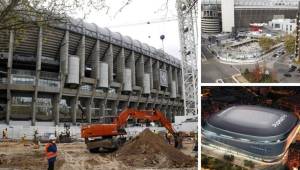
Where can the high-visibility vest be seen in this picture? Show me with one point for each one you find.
(50, 154)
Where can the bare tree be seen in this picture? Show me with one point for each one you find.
(17, 14)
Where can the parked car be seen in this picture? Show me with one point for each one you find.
(287, 75)
(292, 68)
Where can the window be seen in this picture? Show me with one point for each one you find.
(277, 26)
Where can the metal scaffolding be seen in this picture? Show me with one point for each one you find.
(187, 21)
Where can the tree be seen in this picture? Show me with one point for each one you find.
(20, 14)
(257, 73)
(266, 43)
(289, 43)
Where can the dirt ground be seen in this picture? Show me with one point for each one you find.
(73, 156)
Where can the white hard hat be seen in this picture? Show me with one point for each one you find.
(52, 137)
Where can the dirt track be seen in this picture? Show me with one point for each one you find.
(74, 156)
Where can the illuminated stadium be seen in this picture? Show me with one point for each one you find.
(258, 132)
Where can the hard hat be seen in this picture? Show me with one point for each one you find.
(52, 137)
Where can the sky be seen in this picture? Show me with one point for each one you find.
(132, 21)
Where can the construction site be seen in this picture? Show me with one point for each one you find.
(75, 95)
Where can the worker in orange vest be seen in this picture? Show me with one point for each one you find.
(51, 152)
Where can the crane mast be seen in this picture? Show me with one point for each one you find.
(187, 21)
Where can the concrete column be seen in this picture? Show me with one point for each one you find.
(121, 66)
(175, 78)
(131, 62)
(156, 82)
(74, 106)
(81, 53)
(170, 79)
(148, 69)
(9, 67)
(88, 106)
(109, 59)
(102, 108)
(140, 71)
(95, 60)
(64, 54)
(114, 108)
(180, 82)
(37, 72)
(56, 101)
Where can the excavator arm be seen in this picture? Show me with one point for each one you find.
(151, 115)
(107, 132)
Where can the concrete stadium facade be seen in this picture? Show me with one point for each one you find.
(78, 72)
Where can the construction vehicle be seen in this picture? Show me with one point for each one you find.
(110, 136)
(65, 137)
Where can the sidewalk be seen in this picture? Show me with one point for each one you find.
(238, 78)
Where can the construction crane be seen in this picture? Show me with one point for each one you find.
(187, 21)
(109, 136)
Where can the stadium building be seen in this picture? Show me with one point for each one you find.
(238, 14)
(78, 72)
(255, 131)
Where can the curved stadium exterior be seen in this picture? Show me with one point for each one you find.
(49, 73)
(255, 131)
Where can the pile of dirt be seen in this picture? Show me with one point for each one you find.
(151, 150)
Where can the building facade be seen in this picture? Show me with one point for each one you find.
(238, 14)
(285, 25)
(78, 72)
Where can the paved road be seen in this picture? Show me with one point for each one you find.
(212, 70)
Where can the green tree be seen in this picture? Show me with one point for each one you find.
(266, 43)
(289, 43)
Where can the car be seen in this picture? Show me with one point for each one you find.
(287, 75)
(292, 68)
(275, 55)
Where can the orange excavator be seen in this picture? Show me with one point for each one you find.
(109, 136)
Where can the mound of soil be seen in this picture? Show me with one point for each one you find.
(151, 150)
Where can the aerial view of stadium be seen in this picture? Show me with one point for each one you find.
(251, 126)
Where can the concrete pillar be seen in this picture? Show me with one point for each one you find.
(96, 60)
(170, 79)
(9, 67)
(88, 106)
(121, 66)
(37, 76)
(74, 106)
(148, 69)
(56, 101)
(109, 59)
(64, 54)
(102, 108)
(180, 82)
(131, 62)
(175, 78)
(81, 53)
(114, 108)
(156, 83)
(140, 71)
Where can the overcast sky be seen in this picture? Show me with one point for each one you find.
(132, 21)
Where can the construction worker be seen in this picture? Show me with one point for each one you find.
(168, 137)
(4, 133)
(51, 152)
